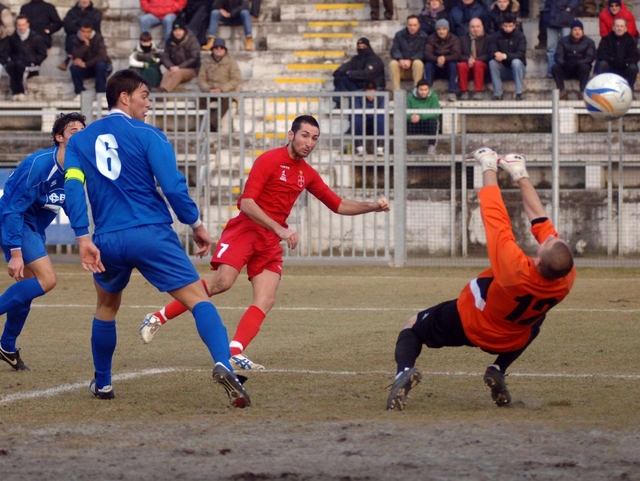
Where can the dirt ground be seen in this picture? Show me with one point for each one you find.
(318, 410)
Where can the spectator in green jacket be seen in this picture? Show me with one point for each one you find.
(423, 97)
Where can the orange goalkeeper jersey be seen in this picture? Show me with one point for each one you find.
(499, 307)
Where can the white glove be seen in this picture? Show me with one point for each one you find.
(514, 164)
(487, 158)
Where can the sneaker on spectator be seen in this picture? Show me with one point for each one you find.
(496, 97)
(380, 150)
(451, 97)
(478, 96)
(464, 96)
(18, 97)
(519, 96)
(431, 149)
(360, 150)
(13, 359)
(564, 95)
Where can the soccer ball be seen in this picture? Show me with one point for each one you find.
(607, 96)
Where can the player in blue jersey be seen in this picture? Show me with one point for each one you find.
(32, 198)
(119, 158)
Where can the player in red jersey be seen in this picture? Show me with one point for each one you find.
(500, 311)
(253, 238)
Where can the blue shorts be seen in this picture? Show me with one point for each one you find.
(32, 247)
(152, 249)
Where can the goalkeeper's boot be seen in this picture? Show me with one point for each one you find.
(495, 380)
(13, 359)
(231, 383)
(404, 382)
(241, 362)
(105, 392)
(149, 327)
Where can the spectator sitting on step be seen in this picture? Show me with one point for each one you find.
(423, 97)
(364, 67)
(27, 50)
(441, 56)
(229, 12)
(219, 75)
(617, 9)
(407, 53)
(89, 58)
(499, 9)
(158, 12)
(369, 124)
(463, 12)
(7, 27)
(574, 57)
(181, 57)
(507, 51)
(84, 9)
(618, 53)
(433, 11)
(145, 59)
(474, 59)
(44, 19)
(559, 15)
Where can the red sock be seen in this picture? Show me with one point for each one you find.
(248, 328)
(175, 308)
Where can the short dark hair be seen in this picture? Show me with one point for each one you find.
(63, 120)
(556, 262)
(22, 17)
(422, 82)
(145, 37)
(86, 23)
(122, 81)
(509, 18)
(414, 16)
(304, 119)
(371, 86)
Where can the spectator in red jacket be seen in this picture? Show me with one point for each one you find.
(617, 9)
(158, 12)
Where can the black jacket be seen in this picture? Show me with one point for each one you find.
(482, 48)
(231, 6)
(570, 52)
(513, 44)
(618, 52)
(32, 51)
(42, 16)
(407, 46)
(76, 15)
(364, 67)
(184, 53)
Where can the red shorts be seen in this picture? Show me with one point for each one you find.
(245, 243)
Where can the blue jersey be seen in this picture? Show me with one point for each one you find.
(33, 196)
(119, 159)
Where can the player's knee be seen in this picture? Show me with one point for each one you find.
(410, 322)
(48, 281)
(219, 284)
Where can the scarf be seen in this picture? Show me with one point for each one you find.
(25, 35)
(432, 12)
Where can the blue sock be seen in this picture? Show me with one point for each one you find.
(13, 327)
(20, 293)
(103, 344)
(212, 332)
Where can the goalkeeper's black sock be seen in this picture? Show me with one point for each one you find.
(408, 348)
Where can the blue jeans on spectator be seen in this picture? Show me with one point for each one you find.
(149, 20)
(500, 72)
(100, 71)
(449, 72)
(216, 18)
(553, 35)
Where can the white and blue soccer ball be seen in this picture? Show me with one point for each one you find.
(607, 96)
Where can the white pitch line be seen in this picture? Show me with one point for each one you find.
(309, 308)
(147, 372)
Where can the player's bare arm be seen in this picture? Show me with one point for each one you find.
(353, 207)
(257, 215)
(89, 255)
(203, 240)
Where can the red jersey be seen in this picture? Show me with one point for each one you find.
(276, 181)
(498, 308)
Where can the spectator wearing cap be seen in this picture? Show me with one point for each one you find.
(507, 51)
(158, 12)
(574, 58)
(463, 12)
(145, 59)
(181, 57)
(618, 53)
(229, 12)
(441, 55)
(89, 58)
(364, 67)
(558, 17)
(616, 9)
(474, 60)
(219, 74)
(407, 53)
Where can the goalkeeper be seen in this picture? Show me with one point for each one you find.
(500, 311)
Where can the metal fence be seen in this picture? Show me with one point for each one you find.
(587, 172)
